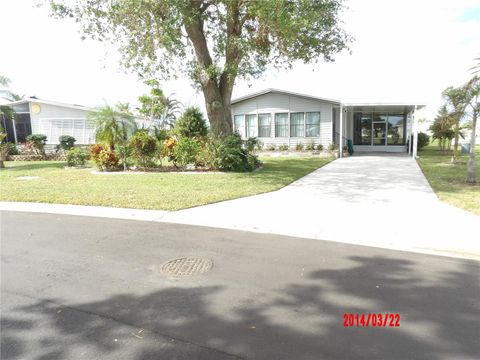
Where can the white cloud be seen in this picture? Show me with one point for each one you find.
(403, 51)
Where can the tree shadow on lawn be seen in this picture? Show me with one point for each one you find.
(439, 319)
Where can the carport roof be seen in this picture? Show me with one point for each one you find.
(401, 106)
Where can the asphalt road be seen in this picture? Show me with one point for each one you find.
(88, 288)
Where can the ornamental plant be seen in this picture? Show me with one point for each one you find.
(104, 158)
(37, 143)
(186, 151)
(76, 157)
(191, 124)
(169, 149)
(66, 142)
(143, 148)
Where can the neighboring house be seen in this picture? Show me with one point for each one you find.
(285, 118)
(53, 119)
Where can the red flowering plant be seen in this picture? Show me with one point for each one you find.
(104, 158)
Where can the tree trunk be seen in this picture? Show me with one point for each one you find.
(216, 91)
(218, 109)
(471, 166)
(455, 142)
(2, 164)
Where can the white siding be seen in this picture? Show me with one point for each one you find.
(281, 103)
(54, 121)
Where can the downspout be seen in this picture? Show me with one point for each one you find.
(415, 133)
(340, 145)
(14, 129)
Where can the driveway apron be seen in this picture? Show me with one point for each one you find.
(376, 200)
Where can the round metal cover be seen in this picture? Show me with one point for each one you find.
(186, 266)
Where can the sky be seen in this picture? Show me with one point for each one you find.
(404, 51)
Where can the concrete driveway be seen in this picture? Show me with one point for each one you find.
(377, 200)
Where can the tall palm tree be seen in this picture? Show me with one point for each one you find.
(113, 125)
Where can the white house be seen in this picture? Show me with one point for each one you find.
(284, 118)
(53, 119)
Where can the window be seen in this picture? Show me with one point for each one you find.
(396, 129)
(297, 124)
(312, 124)
(239, 124)
(251, 125)
(362, 129)
(281, 125)
(264, 125)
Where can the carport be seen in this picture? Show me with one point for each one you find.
(378, 127)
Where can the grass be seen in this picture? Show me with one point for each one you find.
(448, 180)
(163, 191)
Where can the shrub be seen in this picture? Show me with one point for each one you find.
(252, 144)
(37, 142)
(66, 142)
(422, 140)
(11, 148)
(104, 158)
(332, 147)
(310, 146)
(283, 147)
(229, 153)
(271, 147)
(124, 152)
(168, 149)
(143, 147)
(191, 124)
(299, 147)
(319, 147)
(161, 134)
(76, 157)
(259, 146)
(187, 151)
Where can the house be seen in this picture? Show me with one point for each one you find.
(53, 119)
(280, 117)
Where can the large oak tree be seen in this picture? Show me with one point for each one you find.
(213, 41)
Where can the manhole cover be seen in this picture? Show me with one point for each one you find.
(186, 266)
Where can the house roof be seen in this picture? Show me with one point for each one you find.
(48, 102)
(282, 92)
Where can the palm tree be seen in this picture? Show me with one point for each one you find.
(473, 91)
(113, 125)
(457, 99)
(476, 68)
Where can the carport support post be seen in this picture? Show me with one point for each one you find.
(340, 145)
(415, 133)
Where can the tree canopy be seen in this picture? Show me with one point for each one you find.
(213, 41)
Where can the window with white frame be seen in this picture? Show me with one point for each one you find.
(264, 125)
(312, 124)
(239, 124)
(281, 125)
(297, 124)
(251, 125)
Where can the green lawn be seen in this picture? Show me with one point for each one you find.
(448, 180)
(165, 191)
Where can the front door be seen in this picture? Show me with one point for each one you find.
(379, 133)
